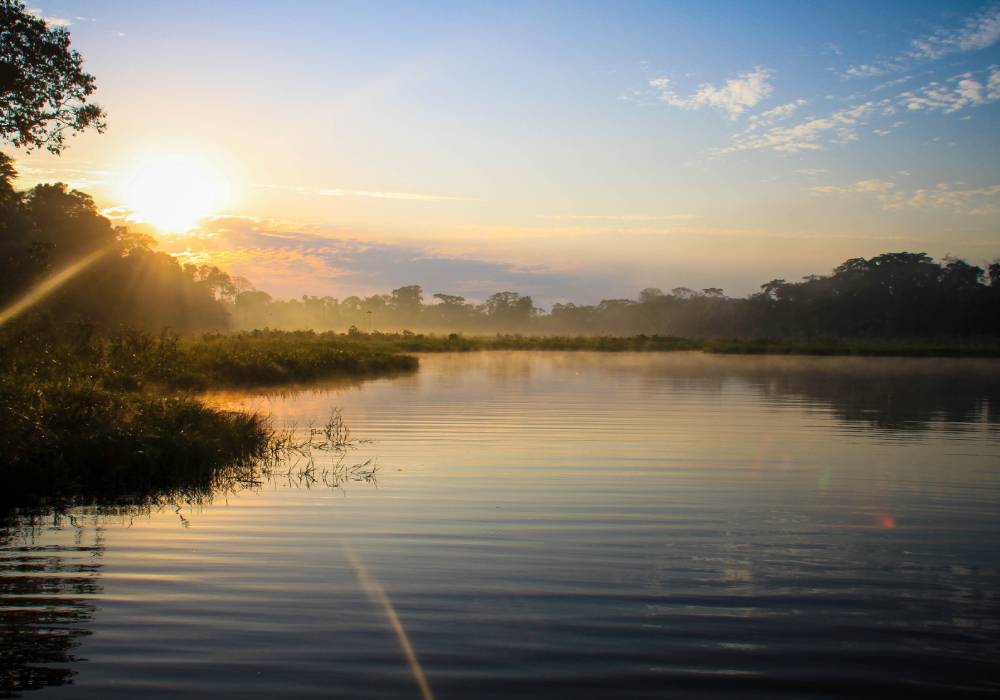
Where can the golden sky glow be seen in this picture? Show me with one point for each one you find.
(486, 149)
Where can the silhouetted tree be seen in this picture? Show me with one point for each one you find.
(509, 309)
(43, 87)
(650, 294)
(407, 303)
(994, 273)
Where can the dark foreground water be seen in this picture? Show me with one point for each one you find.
(557, 526)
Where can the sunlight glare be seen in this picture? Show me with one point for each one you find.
(174, 192)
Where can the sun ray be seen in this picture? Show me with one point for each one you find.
(51, 284)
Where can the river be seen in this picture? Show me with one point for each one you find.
(555, 525)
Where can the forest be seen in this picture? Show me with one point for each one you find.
(49, 229)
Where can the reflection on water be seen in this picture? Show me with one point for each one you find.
(890, 393)
(48, 579)
(50, 558)
(558, 525)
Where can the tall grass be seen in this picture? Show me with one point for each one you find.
(98, 416)
(411, 342)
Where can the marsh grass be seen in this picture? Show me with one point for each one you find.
(92, 415)
(292, 454)
(213, 454)
(413, 342)
(279, 357)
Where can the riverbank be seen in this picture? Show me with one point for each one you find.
(106, 415)
(410, 342)
(98, 417)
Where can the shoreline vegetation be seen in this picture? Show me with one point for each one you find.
(99, 417)
(431, 343)
(102, 417)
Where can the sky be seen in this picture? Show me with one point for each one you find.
(570, 151)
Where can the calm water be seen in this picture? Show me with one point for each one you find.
(558, 526)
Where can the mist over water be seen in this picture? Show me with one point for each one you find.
(558, 525)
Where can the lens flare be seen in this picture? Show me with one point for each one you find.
(375, 591)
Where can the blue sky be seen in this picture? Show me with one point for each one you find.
(567, 150)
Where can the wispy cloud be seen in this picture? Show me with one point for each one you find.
(51, 21)
(872, 70)
(406, 196)
(863, 186)
(74, 177)
(776, 114)
(733, 97)
(966, 90)
(978, 31)
(621, 217)
(810, 134)
(371, 194)
(951, 196)
(844, 125)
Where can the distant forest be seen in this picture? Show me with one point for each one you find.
(49, 227)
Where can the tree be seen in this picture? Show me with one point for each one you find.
(683, 293)
(450, 299)
(218, 283)
(406, 300)
(43, 87)
(775, 289)
(510, 309)
(67, 222)
(650, 295)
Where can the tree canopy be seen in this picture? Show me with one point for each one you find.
(44, 90)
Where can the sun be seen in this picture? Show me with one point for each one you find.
(173, 192)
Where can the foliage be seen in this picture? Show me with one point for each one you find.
(77, 435)
(43, 87)
(50, 227)
(890, 296)
(84, 413)
(262, 357)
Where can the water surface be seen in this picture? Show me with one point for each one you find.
(557, 525)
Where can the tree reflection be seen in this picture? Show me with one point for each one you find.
(50, 576)
(905, 394)
(909, 396)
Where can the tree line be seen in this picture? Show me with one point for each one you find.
(49, 227)
(893, 295)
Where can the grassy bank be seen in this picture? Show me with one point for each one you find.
(274, 357)
(89, 416)
(409, 342)
(79, 438)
